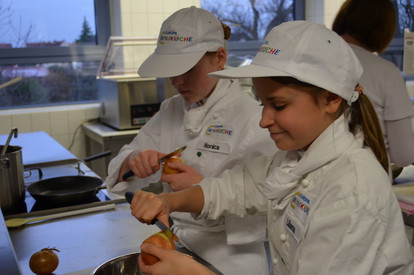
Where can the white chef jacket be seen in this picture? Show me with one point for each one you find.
(385, 87)
(219, 134)
(330, 212)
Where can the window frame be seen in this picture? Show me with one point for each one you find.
(251, 47)
(65, 54)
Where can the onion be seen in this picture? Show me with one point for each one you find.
(44, 261)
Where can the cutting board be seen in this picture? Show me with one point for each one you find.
(39, 149)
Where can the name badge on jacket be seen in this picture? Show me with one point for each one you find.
(212, 146)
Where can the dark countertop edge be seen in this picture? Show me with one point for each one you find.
(9, 263)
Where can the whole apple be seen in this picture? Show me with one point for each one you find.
(167, 169)
(162, 239)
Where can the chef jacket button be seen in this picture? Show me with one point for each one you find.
(305, 183)
(215, 115)
(283, 237)
(275, 261)
(274, 205)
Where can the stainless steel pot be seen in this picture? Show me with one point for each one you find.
(125, 264)
(12, 190)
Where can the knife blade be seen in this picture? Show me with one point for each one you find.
(130, 174)
(157, 222)
(164, 158)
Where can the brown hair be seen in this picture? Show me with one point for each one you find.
(361, 116)
(227, 31)
(371, 22)
(227, 34)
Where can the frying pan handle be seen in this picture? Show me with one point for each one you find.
(97, 156)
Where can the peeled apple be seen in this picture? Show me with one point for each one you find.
(164, 239)
(167, 169)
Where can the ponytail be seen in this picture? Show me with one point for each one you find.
(363, 117)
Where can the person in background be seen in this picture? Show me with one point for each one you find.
(368, 26)
(330, 207)
(216, 120)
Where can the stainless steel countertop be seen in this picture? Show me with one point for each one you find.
(84, 241)
(8, 263)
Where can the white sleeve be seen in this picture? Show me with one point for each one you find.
(400, 136)
(237, 190)
(147, 138)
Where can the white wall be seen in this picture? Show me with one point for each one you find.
(322, 11)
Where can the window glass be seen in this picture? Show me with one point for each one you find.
(46, 23)
(405, 20)
(250, 21)
(49, 53)
(48, 83)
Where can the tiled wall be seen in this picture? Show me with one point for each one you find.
(143, 18)
(59, 122)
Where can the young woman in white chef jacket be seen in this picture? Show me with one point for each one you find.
(369, 36)
(217, 121)
(330, 208)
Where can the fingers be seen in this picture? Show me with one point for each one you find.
(145, 206)
(144, 163)
(187, 177)
(151, 269)
(171, 262)
(177, 165)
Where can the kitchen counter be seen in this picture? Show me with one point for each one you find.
(85, 241)
(9, 264)
(39, 149)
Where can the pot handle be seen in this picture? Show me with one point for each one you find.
(97, 156)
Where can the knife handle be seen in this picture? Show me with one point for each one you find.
(127, 175)
(129, 196)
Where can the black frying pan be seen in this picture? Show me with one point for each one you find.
(67, 190)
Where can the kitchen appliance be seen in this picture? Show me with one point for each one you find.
(127, 100)
(11, 178)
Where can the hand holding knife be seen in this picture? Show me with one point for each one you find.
(130, 174)
(162, 226)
